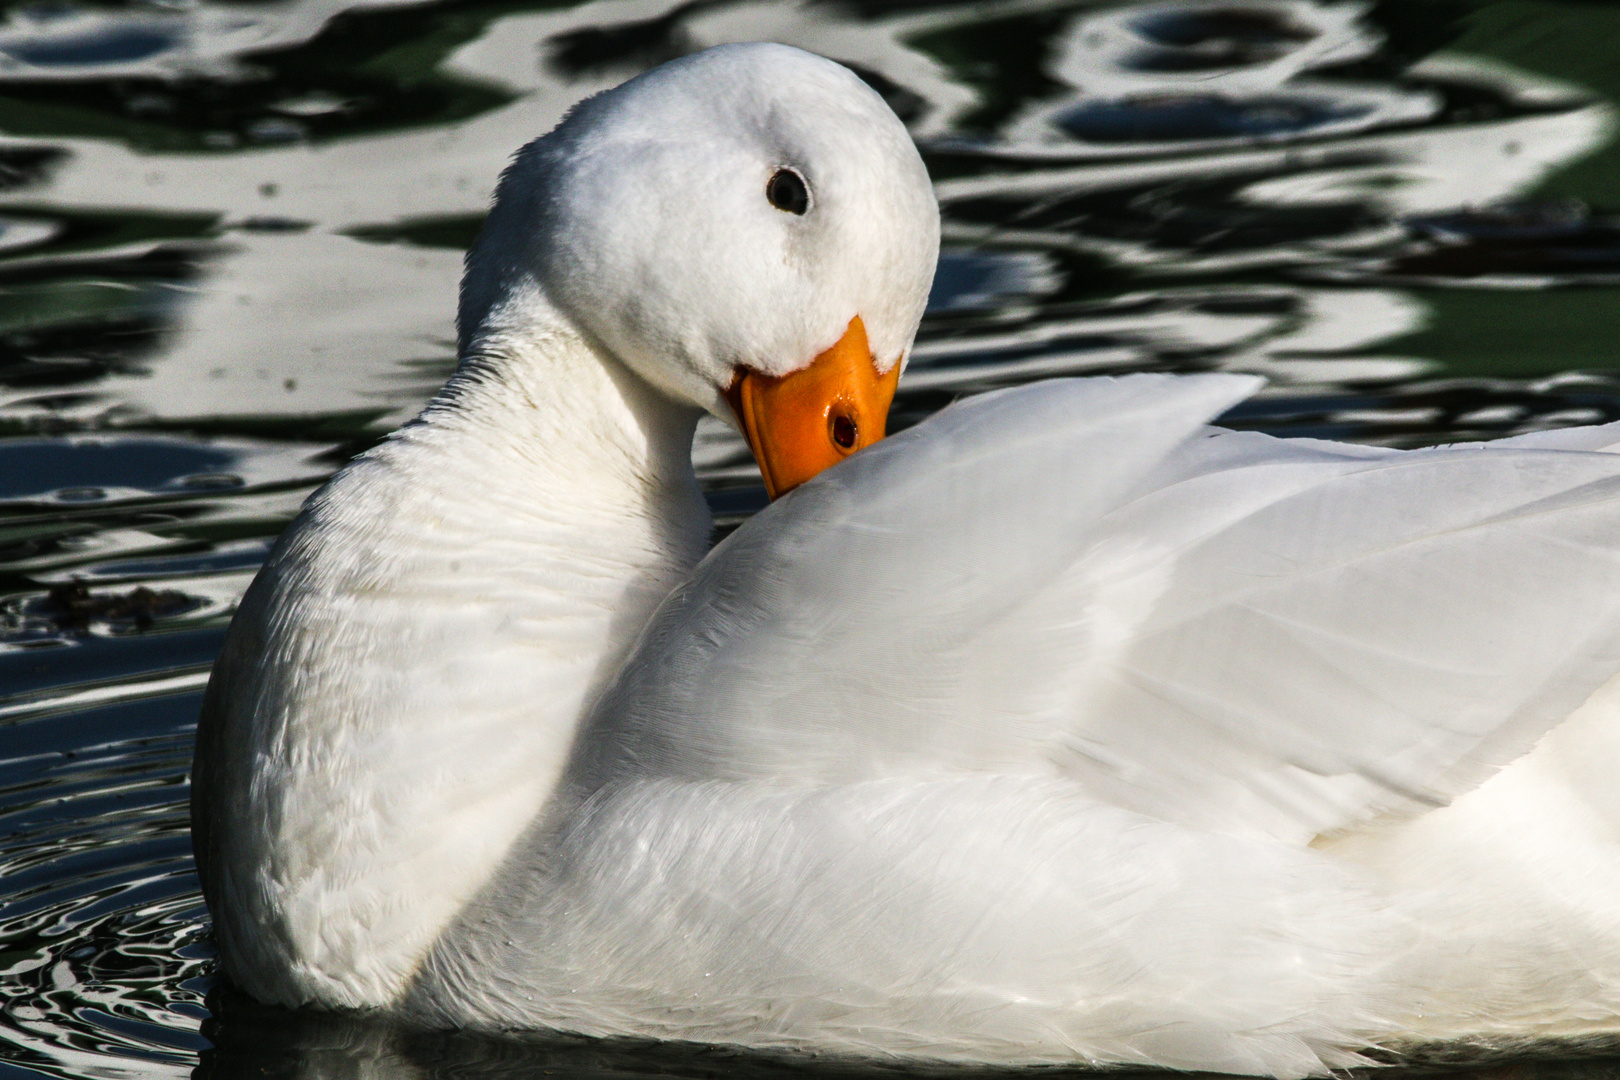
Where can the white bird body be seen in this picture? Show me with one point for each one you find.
(1061, 727)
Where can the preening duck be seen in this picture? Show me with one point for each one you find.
(1060, 727)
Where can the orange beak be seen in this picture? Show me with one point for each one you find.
(809, 419)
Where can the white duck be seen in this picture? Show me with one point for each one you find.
(1060, 728)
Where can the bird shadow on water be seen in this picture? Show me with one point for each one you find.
(250, 1039)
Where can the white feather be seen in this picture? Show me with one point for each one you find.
(1061, 727)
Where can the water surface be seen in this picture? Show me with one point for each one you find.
(230, 236)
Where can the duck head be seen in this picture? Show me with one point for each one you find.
(749, 229)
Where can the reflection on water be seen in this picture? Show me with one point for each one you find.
(230, 236)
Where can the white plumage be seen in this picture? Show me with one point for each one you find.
(1060, 727)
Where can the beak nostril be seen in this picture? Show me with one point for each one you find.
(815, 416)
(844, 431)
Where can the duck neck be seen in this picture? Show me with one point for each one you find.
(440, 618)
(535, 392)
(573, 475)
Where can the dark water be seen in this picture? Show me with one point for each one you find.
(229, 243)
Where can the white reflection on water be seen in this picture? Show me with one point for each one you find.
(294, 317)
(62, 42)
(345, 320)
(1155, 77)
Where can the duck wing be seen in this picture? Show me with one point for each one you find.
(1081, 579)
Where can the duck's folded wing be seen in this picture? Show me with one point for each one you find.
(1080, 579)
(826, 636)
(1377, 641)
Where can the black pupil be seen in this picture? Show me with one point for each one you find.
(787, 192)
(843, 431)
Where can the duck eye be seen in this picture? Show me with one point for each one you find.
(787, 192)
